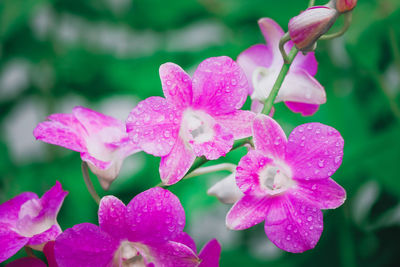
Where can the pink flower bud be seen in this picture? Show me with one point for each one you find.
(306, 28)
(345, 5)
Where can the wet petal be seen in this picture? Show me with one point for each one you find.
(170, 254)
(314, 151)
(185, 239)
(219, 86)
(210, 254)
(112, 216)
(269, 137)
(155, 216)
(324, 194)
(48, 251)
(154, 124)
(220, 144)
(38, 241)
(10, 242)
(94, 121)
(247, 172)
(293, 224)
(176, 84)
(85, 245)
(238, 123)
(56, 133)
(247, 212)
(306, 62)
(9, 210)
(175, 165)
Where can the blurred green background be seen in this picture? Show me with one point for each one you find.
(105, 54)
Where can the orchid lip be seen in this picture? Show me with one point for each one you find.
(127, 255)
(197, 126)
(276, 179)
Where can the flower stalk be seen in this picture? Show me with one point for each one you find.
(88, 183)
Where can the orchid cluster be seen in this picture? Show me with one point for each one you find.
(284, 181)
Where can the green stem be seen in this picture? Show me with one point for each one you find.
(347, 22)
(29, 252)
(88, 182)
(394, 45)
(278, 83)
(214, 168)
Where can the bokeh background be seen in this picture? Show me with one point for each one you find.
(105, 54)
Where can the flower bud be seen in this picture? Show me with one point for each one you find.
(306, 28)
(345, 5)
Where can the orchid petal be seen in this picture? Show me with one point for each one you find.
(10, 242)
(314, 151)
(247, 212)
(174, 166)
(94, 121)
(210, 254)
(238, 123)
(247, 172)
(9, 210)
(304, 109)
(258, 55)
(324, 194)
(221, 144)
(154, 124)
(293, 224)
(176, 84)
(219, 86)
(85, 245)
(272, 33)
(112, 216)
(170, 254)
(56, 133)
(269, 137)
(154, 216)
(299, 86)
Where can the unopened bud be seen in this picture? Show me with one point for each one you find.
(306, 28)
(343, 6)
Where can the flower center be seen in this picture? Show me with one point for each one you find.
(263, 80)
(100, 145)
(197, 126)
(275, 179)
(128, 256)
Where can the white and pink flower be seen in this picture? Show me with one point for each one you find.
(102, 140)
(261, 63)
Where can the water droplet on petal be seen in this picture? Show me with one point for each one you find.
(309, 218)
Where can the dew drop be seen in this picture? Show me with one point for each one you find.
(314, 187)
(309, 218)
(321, 163)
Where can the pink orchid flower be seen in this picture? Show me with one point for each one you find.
(102, 140)
(146, 232)
(300, 91)
(27, 220)
(198, 117)
(286, 183)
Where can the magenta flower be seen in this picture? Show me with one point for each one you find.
(146, 232)
(101, 140)
(198, 117)
(345, 5)
(287, 183)
(27, 220)
(300, 91)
